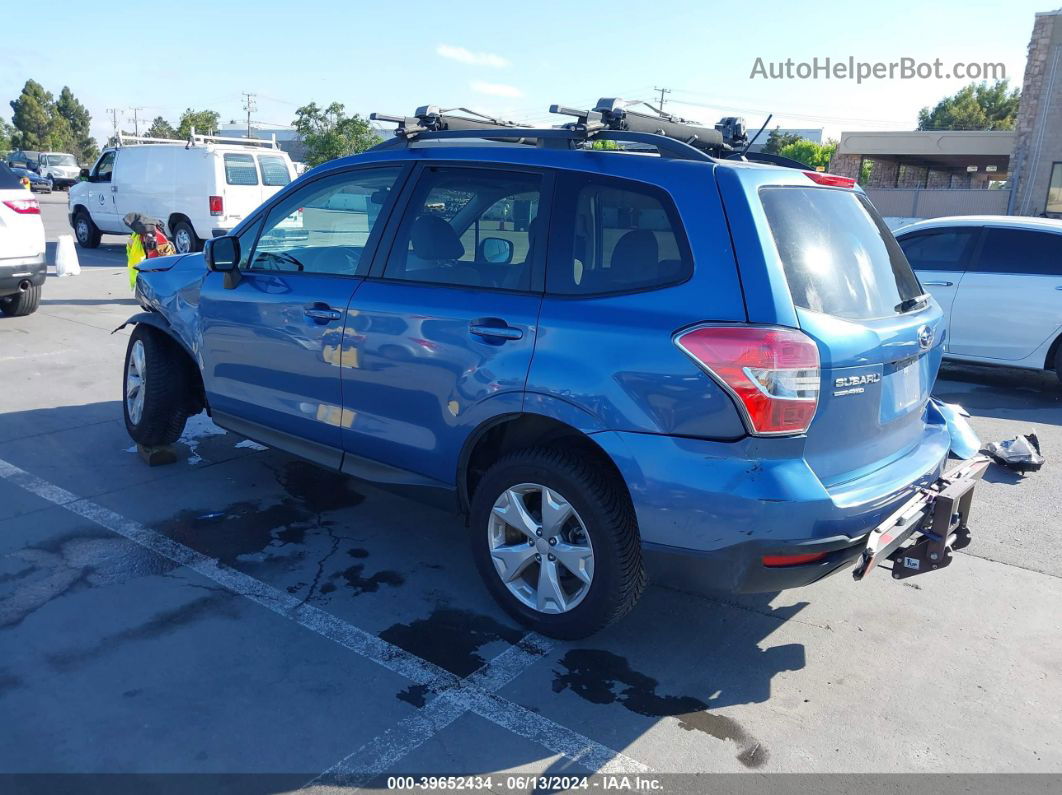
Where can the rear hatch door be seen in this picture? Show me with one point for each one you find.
(21, 229)
(853, 292)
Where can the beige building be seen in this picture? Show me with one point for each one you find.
(911, 175)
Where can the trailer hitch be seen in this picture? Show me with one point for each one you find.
(938, 514)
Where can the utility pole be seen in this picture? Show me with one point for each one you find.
(662, 92)
(114, 120)
(136, 120)
(249, 106)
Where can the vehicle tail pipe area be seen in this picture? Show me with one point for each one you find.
(23, 285)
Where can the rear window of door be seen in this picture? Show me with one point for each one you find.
(470, 227)
(624, 237)
(839, 257)
(1021, 251)
(274, 170)
(240, 170)
(939, 249)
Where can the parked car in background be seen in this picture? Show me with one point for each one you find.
(200, 188)
(707, 370)
(60, 167)
(37, 183)
(999, 281)
(22, 261)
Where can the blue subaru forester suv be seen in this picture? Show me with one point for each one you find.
(613, 362)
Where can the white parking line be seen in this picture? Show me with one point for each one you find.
(475, 693)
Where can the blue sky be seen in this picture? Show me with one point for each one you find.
(509, 58)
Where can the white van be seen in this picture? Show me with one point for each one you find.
(200, 188)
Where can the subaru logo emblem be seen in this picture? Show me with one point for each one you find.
(925, 337)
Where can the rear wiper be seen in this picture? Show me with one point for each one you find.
(911, 303)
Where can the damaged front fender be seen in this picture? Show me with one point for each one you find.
(964, 441)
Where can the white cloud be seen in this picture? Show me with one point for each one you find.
(472, 58)
(495, 89)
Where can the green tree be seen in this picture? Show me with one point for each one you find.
(329, 133)
(160, 128)
(778, 140)
(7, 132)
(81, 144)
(978, 106)
(811, 153)
(206, 122)
(33, 114)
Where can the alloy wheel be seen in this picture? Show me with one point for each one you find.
(540, 548)
(135, 378)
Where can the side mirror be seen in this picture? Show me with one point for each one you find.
(222, 254)
(84, 173)
(496, 250)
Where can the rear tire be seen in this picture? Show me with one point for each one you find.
(1058, 362)
(185, 239)
(156, 389)
(87, 233)
(21, 304)
(604, 524)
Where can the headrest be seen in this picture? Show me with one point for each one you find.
(434, 239)
(636, 255)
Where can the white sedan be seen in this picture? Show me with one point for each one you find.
(998, 279)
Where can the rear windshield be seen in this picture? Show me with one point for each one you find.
(274, 170)
(839, 257)
(240, 170)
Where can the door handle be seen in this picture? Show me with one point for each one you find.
(322, 314)
(497, 332)
(114, 188)
(938, 284)
(1059, 287)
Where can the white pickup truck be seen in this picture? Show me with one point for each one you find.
(200, 188)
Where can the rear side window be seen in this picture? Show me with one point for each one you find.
(939, 250)
(626, 237)
(274, 170)
(1021, 251)
(240, 170)
(839, 257)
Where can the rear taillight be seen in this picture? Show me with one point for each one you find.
(217, 205)
(24, 206)
(772, 372)
(832, 180)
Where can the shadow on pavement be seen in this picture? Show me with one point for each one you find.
(1002, 392)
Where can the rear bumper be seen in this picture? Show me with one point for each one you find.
(708, 512)
(17, 271)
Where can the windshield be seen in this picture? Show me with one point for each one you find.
(839, 257)
(60, 160)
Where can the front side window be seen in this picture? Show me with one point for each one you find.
(240, 170)
(626, 237)
(1021, 251)
(939, 250)
(61, 160)
(838, 255)
(274, 170)
(326, 226)
(469, 227)
(105, 167)
(1054, 190)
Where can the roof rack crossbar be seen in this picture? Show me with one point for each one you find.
(194, 139)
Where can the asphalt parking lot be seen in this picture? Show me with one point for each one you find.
(243, 611)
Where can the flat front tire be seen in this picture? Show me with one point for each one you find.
(555, 539)
(155, 388)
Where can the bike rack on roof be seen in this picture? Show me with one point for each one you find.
(610, 120)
